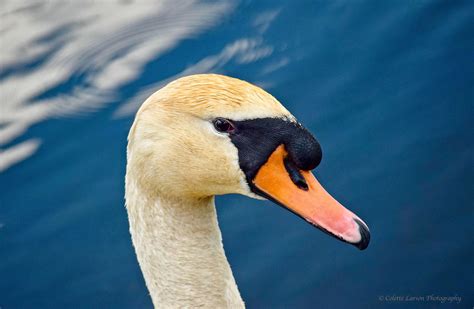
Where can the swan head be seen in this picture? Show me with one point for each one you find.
(208, 134)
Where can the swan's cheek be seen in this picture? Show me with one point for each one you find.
(190, 169)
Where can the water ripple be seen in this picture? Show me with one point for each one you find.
(80, 54)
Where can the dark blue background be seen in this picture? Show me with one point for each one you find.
(386, 87)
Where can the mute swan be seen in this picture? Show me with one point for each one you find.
(205, 135)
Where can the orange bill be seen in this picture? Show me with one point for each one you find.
(310, 201)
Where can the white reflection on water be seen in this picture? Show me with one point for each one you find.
(95, 46)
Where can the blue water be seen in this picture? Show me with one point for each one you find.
(387, 87)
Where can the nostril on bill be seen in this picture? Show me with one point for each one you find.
(295, 174)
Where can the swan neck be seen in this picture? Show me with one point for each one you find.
(179, 248)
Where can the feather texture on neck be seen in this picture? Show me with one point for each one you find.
(179, 248)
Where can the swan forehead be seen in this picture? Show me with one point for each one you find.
(211, 95)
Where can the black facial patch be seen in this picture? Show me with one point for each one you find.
(256, 140)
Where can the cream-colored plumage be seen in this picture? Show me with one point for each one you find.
(176, 163)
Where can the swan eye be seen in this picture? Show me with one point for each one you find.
(223, 125)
